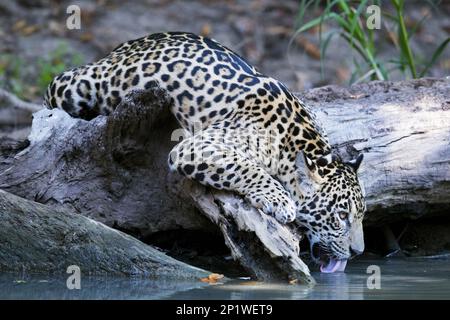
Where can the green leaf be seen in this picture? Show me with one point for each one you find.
(437, 53)
(323, 49)
(403, 37)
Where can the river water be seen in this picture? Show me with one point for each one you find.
(410, 278)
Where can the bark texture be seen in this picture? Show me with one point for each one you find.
(37, 238)
(403, 129)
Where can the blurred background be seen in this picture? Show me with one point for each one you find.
(36, 45)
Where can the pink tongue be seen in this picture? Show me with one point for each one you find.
(333, 266)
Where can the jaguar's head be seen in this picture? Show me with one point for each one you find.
(333, 209)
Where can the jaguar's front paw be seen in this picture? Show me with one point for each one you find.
(284, 209)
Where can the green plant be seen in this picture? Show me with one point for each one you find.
(11, 74)
(26, 83)
(350, 20)
(55, 64)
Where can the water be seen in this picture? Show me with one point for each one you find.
(411, 278)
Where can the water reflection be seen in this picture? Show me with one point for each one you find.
(329, 287)
(95, 288)
(340, 286)
(400, 279)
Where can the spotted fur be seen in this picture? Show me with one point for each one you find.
(255, 138)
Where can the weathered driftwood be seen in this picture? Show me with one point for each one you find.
(37, 238)
(114, 169)
(403, 129)
(267, 249)
(108, 169)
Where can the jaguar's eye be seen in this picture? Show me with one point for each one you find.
(343, 215)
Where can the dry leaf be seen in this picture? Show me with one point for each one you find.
(278, 31)
(86, 37)
(206, 30)
(28, 30)
(19, 25)
(392, 37)
(310, 48)
(293, 281)
(212, 278)
(316, 29)
(343, 74)
(25, 29)
(411, 23)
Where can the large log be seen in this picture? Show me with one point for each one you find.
(37, 238)
(403, 129)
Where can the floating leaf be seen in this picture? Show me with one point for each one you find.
(212, 278)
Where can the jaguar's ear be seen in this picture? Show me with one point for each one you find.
(308, 168)
(355, 163)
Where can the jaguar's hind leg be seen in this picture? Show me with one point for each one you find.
(219, 165)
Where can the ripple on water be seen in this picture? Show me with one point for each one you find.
(400, 279)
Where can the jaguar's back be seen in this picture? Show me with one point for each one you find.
(205, 79)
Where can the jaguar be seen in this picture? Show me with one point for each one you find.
(245, 132)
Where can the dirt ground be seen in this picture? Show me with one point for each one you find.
(260, 30)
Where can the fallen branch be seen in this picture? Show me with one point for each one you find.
(267, 249)
(15, 102)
